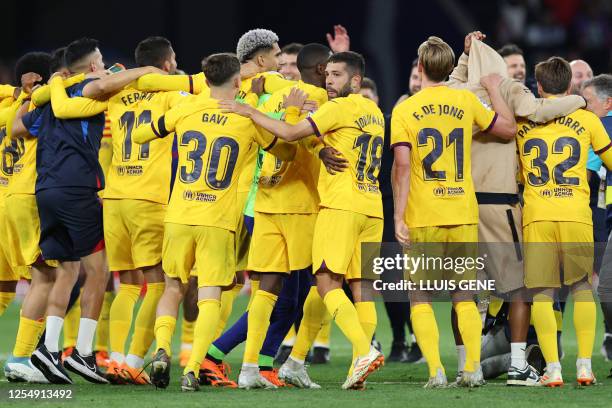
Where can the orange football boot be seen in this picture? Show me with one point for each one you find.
(272, 376)
(136, 376)
(215, 375)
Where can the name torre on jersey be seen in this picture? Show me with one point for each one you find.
(568, 122)
(439, 110)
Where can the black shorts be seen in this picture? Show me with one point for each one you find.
(70, 223)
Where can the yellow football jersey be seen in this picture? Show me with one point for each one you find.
(10, 151)
(354, 126)
(553, 160)
(273, 82)
(6, 91)
(5, 102)
(23, 180)
(437, 125)
(290, 187)
(140, 172)
(212, 149)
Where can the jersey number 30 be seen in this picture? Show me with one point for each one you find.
(214, 180)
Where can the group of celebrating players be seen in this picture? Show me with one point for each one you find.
(238, 168)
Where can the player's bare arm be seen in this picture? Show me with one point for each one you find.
(113, 83)
(505, 125)
(283, 130)
(400, 182)
(340, 40)
(18, 128)
(333, 160)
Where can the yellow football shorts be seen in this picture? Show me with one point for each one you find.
(281, 242)
(8, 272)
(243, 238)
(209, 249)
(437, 246)
(338, 235)
(133, 233)
(557, 251)
(23, 229)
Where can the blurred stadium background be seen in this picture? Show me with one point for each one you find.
(387, 32)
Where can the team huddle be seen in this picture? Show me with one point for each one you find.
(189, 183)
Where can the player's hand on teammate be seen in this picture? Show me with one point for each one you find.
(333, 160)
(401, 233)
(474, 35)
(340, 40)
(296, 98)
(491, 81)
(310, 107)
(233, 106)
(257, 85)
(28, 80)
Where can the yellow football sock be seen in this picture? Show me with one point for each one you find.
(145, 320)
(545, 326)
(103, 323)
(187, 332)
(585, 318)
(164, 329)
(209, 313)
(495, 305)
(258, 323)
(559, 320)
(325, 332)
(5, 299)
(427, 335)
(470, 327)
(290, 337)
(345, 315)
(71, 324)
(227, 302)
(28, 333)
(314, 312)
(368, 319)
(121, 312)
(254, 289)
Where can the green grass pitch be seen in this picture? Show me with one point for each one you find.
(396, 384)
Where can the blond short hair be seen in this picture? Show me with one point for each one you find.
(437, 58)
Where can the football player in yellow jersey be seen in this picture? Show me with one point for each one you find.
(557, 223)
(434, 194)
(19, 221)
(200, 221)
(286, 202)
(257, 51)
(351, 206)
(135, 198)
